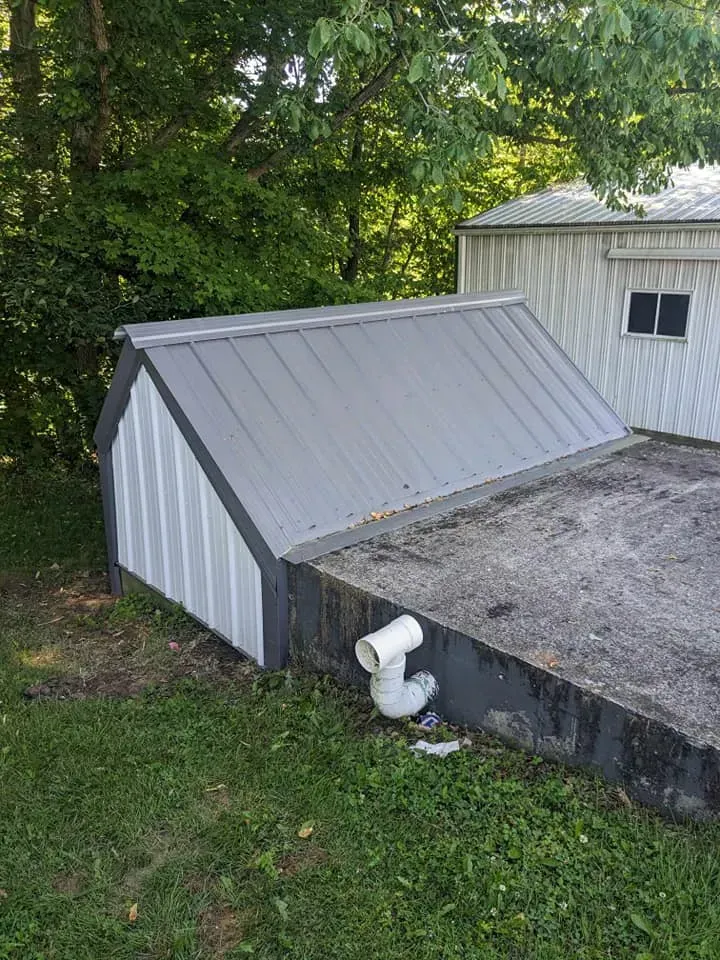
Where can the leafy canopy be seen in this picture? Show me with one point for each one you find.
(161, 159)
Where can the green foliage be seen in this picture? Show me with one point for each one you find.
(160, 160)
(50, 522)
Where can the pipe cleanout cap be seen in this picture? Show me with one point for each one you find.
(384, 647)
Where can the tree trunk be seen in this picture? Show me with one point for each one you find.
(88, 137)
(26, 78)
(102, 118)
(351, 267)
(387, 253)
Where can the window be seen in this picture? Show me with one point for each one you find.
(658, 314)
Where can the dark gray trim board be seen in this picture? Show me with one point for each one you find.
(117, 396)
(275, 619)
(358, 534)
(274, 612)
(679, 439)
(484, 687)
(261, 552)
(107, 490)
(281, 649)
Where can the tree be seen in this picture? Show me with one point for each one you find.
(164, 159)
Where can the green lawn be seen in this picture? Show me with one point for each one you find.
(272, 815)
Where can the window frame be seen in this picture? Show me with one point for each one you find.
(656, 336)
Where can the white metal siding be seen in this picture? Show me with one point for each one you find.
(579, 295)
(173, 532)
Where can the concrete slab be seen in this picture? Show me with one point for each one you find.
(597, 590)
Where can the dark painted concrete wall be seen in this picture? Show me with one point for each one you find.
(484, 688)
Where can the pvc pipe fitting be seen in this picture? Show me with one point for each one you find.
(378, 650)
(382, 654)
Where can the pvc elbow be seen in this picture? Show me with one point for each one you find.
(382, 648)
(382, 654)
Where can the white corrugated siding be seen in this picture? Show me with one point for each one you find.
(173, 532)
(579, 295)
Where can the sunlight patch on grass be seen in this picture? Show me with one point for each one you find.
(45, 657)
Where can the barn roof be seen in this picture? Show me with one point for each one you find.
(692, 197)
(318, 419)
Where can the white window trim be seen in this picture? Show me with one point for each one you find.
(655, 336)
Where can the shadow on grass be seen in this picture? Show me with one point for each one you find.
(50, 517)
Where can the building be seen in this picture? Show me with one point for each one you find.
(298, 479)
(233, 447)
(634, 301)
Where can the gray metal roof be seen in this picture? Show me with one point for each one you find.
(319, 418)
(693, 197)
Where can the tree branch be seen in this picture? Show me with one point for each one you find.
(356, 103)
(251, 117)
(389, 237)
(241, 131)
(550, 141)
(206, 87)
(680, 91)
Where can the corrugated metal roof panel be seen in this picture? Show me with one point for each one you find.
(319, 419)
(693, 197)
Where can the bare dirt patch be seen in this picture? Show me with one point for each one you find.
(196, 883)
(219, 930)
(304, 859)
(91, 651)
(68, 883)
(218, 798)
(160, 849)
(106, 684)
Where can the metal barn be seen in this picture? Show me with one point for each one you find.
(635, 302)
(231, 447)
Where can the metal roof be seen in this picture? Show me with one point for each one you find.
(692, 197)
(319, 418)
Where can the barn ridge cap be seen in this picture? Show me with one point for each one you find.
(168, 332)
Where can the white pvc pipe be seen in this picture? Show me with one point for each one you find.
(382, 654)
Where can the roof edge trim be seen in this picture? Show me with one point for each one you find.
(116, 397)
(313, 549)
(276, 321)
(588, 226)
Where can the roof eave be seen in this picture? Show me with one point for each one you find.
(466, 229)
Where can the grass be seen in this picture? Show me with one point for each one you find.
(172, 803)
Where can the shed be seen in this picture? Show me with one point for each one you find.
(231, 447)
(634, 301)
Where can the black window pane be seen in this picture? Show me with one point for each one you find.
(643, 307)
(672, 320)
